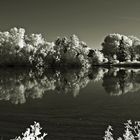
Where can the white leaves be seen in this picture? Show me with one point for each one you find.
(17, 37)
(35, 39)
(99, 56)
(32, 133)
(74, 41)
(127, 41)
(108, 134)
(132, 132)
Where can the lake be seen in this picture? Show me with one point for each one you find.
(74, 104)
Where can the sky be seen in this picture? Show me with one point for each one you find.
(91, 20)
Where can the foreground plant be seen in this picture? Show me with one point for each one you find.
(32, 133)
(132, 132)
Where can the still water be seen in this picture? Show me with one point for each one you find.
(69, 104)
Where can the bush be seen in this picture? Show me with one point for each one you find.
(32, 133)
(131, 132)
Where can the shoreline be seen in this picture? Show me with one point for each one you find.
(73, 66)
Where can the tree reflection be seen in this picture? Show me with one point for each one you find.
(17, 85)
(121, 81)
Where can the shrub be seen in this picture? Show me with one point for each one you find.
(131, 132)
(32, 133)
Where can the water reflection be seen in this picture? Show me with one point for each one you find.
(16, 85)
(118, 81)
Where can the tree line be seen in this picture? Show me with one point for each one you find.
(17, 48)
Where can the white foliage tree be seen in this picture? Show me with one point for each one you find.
(35, 40)
(98, 57)
(17, 37)
(74, 41)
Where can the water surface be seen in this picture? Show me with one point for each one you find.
(69, 104)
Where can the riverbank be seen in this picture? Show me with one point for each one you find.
(121, 64)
